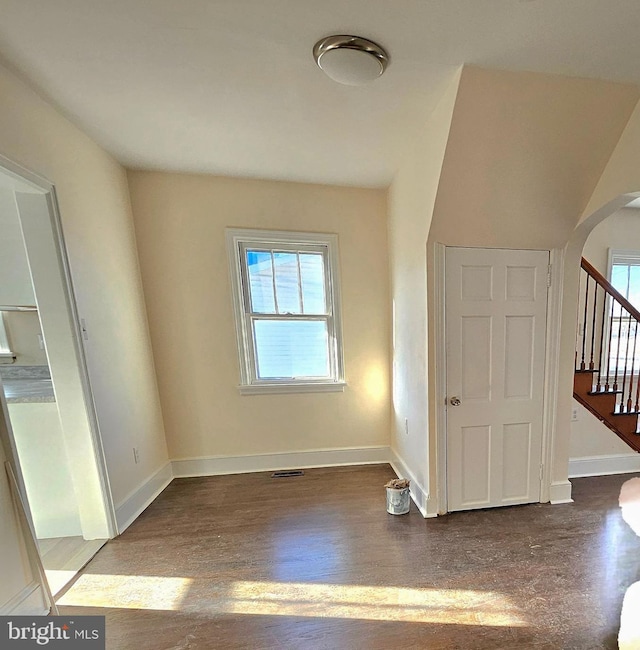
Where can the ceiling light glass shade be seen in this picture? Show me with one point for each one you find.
(350, 60)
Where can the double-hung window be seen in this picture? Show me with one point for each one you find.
(287, 308)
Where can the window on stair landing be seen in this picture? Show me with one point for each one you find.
(287, 308)
(624, 275)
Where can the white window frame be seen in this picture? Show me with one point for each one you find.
(625, 257)
(238, 239)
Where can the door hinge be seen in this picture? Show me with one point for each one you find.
(549, 266)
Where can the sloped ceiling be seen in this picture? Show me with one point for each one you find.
(525, 152)
(230, 87)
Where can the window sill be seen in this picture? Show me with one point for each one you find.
(275, 389)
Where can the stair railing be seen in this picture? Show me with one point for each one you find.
(608, 339)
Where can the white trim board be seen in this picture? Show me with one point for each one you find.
(133, 505)
(28, 602)
(419, 494)
(548, 490)
(216, 465)
(439, 288)
(560, 492)
(604, 465)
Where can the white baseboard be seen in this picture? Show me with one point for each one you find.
(419, 494)
(215, 465)
(30, 601)
(135, 503)
(560, 492)
(604, 465)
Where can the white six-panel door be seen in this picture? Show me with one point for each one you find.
(496, 304)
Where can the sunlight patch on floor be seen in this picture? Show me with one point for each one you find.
(298, 599)
(128, 592)
(379, 603)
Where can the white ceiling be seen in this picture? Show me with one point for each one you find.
(230, 86)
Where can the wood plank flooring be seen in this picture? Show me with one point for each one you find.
(247, 561)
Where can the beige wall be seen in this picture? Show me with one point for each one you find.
(621, 175)
(619, 231)
(524, 155)
(96, 217)
(590, 438)
(180, 225)
(94, 204)
(411, 200)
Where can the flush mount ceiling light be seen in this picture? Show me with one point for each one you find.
(350, 60)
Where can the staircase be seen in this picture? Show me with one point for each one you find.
(607, 366)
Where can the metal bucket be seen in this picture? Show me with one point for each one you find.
(397, 501)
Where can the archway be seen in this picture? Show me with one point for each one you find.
(568, 331)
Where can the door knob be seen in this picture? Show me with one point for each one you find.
(455, 401)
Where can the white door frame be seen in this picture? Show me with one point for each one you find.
(551, 370)
(47, 189)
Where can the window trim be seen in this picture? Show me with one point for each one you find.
(625, 257)
(620, 256)
(238, 239)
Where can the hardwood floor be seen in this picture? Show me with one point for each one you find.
(248, 561)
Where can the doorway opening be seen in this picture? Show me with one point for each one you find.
(607, 353)
(48, 424)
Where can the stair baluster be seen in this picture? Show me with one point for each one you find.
(593, 326)
(607, 358)
(601, 350)
(615, 367)
(608, 350)
(584, 324)
(626, 361)
(633, 362)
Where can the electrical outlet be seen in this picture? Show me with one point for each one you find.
(574, 414)
(136, 455)
(406, 426)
